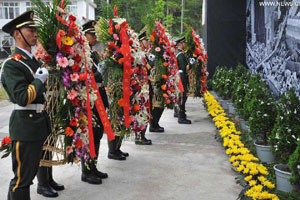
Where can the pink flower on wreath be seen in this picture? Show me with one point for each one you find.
(115, 36)
(157, 49)
(83, 103)
(72, 94)
(74, 77)
(63, 62)
(69, 150)
(73, 51)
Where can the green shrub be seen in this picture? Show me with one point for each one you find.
(286, 131)
(294, 165)
(262, 109)
(239, 93)
(253, 87)
(228, 83)
(218, 80)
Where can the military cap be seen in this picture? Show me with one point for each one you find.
(89, 27)
(180, 39)
(23, 20)
(143, 36)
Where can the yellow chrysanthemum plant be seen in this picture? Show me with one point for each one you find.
(240, 157)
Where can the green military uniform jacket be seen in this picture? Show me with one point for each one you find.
(23, 89)
(182, 63)
(98, 77)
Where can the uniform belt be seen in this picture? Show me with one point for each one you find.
(37, 107)
(180, 71)
(100, 85)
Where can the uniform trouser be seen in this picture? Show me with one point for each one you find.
(182, 97)
(25, 163)
(156, 112)
(141, 134)
(98, 133)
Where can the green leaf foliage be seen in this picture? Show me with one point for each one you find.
(144, 13)
(286, 132)
(294, 165)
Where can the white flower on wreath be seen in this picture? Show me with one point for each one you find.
(71, 62)
(138, 57)
(119, 20)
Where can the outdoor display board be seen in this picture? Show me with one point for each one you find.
(273, 42)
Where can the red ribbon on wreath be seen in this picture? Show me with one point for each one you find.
(101, 110)
(179, 84)
(88, 109)
(126, 52)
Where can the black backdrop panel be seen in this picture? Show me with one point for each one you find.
(226, 33)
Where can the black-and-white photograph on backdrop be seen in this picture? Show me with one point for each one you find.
(273, 42)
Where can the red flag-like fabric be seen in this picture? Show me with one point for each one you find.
(126, 52)
(179, 84)
(89, 112)
(101, 111)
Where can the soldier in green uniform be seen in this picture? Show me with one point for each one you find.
(141, 139)
(23, 79)
(156, 112)
(183, 68)
(90, 173)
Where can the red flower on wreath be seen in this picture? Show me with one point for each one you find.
(75, 68)
(69, 132)
(73, 122)
(121, 102)
(78, 144)
(47, 59)
(72, 18)
(136, 107)
(82, 77)
(59, 34)
(77, 58)
(66, 49)
(6, 140)
(75, 101)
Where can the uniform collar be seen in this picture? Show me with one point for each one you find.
(30, 55)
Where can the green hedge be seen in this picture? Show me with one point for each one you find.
(271, 121)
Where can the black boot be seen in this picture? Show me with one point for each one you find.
(141, 139)
(44, 187)
(175, 112)
(112, 150)
(119, 143)
(159, 114)
(184, 121)
(20, 194)
(87, 174)
(9, 195)
(154, 127)
(52, 183)
(96, 171)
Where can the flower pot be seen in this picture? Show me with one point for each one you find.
(244, 125)
(214, 94)
(282, 178)
(247, 128)
(264, 153)
(236, 117)
(224, 104)
(231, 108)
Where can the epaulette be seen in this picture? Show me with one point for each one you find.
(17, 57)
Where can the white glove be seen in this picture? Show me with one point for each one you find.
(100, 67)
(42, 74)
(151, 57)
(192, 61)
